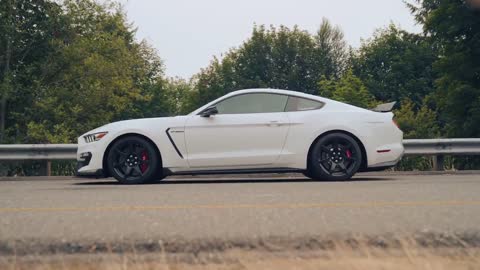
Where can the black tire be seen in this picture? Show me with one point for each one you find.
(308, 174)
(334, 157)
(134, 160)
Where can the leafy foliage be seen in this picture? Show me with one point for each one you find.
(26, 28)
(276, 58)
(395, 65)
(349, 89)
(454, 27)
(95, 74)
(417, 124)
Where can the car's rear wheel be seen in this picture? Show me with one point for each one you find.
(134, 160)
(334, 157)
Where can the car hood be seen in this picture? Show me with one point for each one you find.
(137, 123)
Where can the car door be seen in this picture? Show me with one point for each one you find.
(249, 130)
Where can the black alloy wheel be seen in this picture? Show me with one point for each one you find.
(134, 160)
(335, 156)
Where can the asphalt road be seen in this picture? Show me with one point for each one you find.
(101, 210)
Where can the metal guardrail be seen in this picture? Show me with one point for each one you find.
(437, 148)
(44, 152)
(38, 151)
(442, 147)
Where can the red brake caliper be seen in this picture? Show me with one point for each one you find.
(348, 153)
(144, 166)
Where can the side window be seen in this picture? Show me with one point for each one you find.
(295, 104)
(252, 103)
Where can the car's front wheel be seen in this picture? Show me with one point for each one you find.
(134, 160)
(334, 157)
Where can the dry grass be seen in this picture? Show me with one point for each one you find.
(340, 256)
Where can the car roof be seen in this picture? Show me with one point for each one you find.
(274, 91)
(332, 103)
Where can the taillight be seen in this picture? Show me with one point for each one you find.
(395, 123)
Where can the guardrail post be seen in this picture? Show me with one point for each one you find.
(438, 162)
(42, 168)
(49, 168)
(45, 168)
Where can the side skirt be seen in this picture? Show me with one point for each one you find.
(237, 171)
(376, 169)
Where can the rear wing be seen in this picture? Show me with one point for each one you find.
(386, 107)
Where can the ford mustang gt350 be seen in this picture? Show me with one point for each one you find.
(246, 131)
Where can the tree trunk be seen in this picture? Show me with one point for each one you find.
(3, 111)
(6, 74)
(3, 102)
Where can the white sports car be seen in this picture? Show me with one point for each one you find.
(247, 131)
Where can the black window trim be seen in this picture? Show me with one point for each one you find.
(260, 92)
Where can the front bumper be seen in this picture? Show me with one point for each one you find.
(90, 158)
(91, 174)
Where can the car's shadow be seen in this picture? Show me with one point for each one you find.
(203, 181)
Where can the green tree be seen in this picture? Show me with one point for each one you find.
(96, 74)
(417, 123)
(349, 89)
(170, 97)
(454, 28)
(217, 79)
(331, 51)
(395, 64)
(276, 58)
(26, 28)
(181, 96)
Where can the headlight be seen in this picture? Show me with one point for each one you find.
(94, 137)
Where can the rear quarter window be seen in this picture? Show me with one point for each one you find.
(295, 104)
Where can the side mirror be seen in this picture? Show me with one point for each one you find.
(209, 111)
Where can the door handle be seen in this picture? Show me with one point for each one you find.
(273, 123)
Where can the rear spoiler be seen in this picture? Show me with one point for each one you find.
(386, 107)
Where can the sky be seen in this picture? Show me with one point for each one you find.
(188, 33)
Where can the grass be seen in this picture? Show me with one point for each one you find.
(406, 254)
(248, 260)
